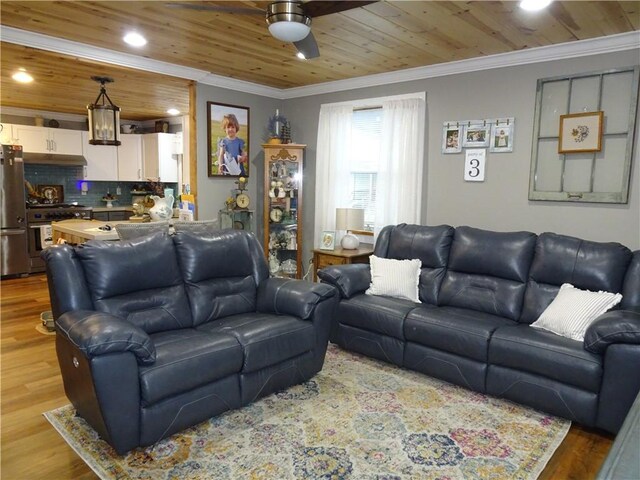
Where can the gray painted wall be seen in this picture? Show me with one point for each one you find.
(501, 201)
(213, 191)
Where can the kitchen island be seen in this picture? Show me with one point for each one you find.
(79, 231)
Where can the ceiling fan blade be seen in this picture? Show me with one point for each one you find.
(319, 8)
(308, 47)
(214, 8)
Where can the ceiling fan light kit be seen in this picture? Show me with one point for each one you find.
(287, 21)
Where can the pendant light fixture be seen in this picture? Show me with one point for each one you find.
(104, 117)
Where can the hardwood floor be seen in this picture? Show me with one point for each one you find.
(31, 385)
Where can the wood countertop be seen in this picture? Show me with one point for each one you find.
(78, 231)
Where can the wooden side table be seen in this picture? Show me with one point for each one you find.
(339, 256)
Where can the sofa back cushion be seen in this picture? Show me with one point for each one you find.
(428, 244)
(487, 271)
(221, 271)
(631, 287)
(138, 280)
(585, 265)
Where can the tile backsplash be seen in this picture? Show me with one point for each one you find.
(70, 177)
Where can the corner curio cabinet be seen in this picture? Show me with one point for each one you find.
(283, 209)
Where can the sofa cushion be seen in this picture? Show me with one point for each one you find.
(266, 339)
(428, 244)
(487, 271)
(455, 330)
(383, 315)
(631, 286)
(187, 359)
(536, 351)
(219, 273)
(586, 265)
(394, 278)
(573, 310)
(138, 280)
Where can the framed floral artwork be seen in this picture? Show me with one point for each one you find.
(580, 132)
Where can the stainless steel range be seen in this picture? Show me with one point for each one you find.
(39, 218)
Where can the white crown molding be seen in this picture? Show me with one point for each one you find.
(580, 48)
(67, 47)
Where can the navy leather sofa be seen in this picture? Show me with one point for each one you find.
(480, 291)
(161, 332)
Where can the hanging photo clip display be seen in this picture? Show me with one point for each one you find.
(495, 133)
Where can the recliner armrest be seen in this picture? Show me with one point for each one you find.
(617, 326)
(348, 279)
(292, 297)
(99, 333)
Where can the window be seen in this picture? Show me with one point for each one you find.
(366, 133)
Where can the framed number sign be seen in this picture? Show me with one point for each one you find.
(474, 165)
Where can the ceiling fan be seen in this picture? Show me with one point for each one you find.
(289, 21)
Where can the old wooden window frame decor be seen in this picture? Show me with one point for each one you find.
(216, 113)
(580, 132)
(597, 174)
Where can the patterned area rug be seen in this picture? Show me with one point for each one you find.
(358, 418)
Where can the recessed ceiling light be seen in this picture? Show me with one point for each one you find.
(173, 111)
(135, 39)
(534, 5)
(22, 76)
(301, 56)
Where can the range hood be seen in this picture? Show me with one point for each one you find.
(54, 159)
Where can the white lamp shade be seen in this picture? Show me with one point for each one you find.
(349, 218)
(289, 31)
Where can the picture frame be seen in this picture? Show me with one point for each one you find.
(328, 240)
(227, 156)
(501, 140)
(51, 194)
(451, 138)
(580, 132)
(476, 135)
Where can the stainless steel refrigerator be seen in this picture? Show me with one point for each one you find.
(13, 213)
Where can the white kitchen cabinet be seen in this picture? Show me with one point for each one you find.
(159, 157)
(102, 160)
(47, 140)
(5, 134)
(130, 158)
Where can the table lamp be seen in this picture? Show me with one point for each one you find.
(349, 219)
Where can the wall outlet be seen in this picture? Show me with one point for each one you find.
(118, 191)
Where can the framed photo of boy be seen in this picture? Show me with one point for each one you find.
(451, 138)
(227, 140)
(580, 132)
(328, 240)
(501, 138)
(476, 136)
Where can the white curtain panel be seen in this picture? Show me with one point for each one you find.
(399, 186)
(333, 153)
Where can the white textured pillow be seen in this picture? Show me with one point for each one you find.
(394, 278)
(573, 310)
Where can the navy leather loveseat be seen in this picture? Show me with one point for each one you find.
(161, 332)
(479, 293)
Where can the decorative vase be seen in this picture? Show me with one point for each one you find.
(162, 208)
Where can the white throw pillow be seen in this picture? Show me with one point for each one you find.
(394, 278)
(573, 310)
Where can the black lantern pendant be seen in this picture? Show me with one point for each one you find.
(104, 117)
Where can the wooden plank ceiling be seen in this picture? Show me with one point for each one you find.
(381, 37)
